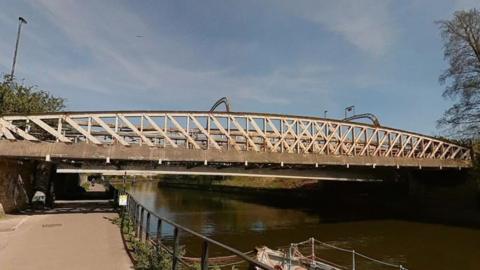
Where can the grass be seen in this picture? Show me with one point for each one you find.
(86, 186)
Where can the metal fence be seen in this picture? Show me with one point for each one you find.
(143, 218)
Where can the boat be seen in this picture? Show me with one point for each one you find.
(306, 255)
(295, 257)
(293, 260)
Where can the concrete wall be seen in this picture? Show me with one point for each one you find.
(16, 184)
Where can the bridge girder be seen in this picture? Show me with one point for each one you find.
(222, 137)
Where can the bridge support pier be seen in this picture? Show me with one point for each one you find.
(16, 184)
(20, 179)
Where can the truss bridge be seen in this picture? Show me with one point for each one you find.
(223, 139)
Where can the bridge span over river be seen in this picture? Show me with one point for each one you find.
(210, 142)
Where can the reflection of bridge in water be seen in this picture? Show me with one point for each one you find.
(220, 143)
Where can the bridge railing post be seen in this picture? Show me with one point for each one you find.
(159, 231)
(353, 260)
(159, 236)
(147, 227)
(134, 214)
(137, 211)
(175, 248)
(204, 259)
(130, 206)
(140, 225)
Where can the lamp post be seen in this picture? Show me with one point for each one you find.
(20, 22)
(325, 114)
(349, 109)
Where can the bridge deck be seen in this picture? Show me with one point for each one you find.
(222, 137)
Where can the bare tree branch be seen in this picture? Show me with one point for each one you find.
(461, 37)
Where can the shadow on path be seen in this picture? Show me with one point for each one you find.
(74, 207)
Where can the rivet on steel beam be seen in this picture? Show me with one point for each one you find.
(47, 158)
(107, 160)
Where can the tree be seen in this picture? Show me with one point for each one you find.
(461, 37)
(16, 97)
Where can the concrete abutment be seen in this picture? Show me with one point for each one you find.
(19, 179)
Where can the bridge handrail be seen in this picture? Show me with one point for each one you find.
(14, 116)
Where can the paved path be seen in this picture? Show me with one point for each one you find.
(70, 237)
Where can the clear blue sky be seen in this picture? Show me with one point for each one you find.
(295, 57)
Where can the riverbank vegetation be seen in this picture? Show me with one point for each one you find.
(145, 255)
(261, 183)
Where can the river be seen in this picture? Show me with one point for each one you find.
(244, 222)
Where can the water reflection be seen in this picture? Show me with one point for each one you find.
(244, 223)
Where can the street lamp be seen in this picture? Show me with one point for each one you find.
(349, 109)
(20, 22)
(325, 114)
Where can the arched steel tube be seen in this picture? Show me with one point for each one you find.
(369, 116)
(223, 100)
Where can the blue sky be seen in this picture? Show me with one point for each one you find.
(294, 57)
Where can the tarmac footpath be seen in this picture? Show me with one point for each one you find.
(74, 235)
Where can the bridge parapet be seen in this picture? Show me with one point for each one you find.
(227, 131)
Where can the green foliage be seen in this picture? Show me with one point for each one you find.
(146, 256)
(16, 97)
(86, 186)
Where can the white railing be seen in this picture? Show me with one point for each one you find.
(229, 131)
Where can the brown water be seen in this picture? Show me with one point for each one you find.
(244, 222)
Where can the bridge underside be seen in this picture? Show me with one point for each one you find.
(85, 151)
(265, 172)
(142, 159)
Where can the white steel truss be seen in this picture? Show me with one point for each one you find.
(225, 130)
